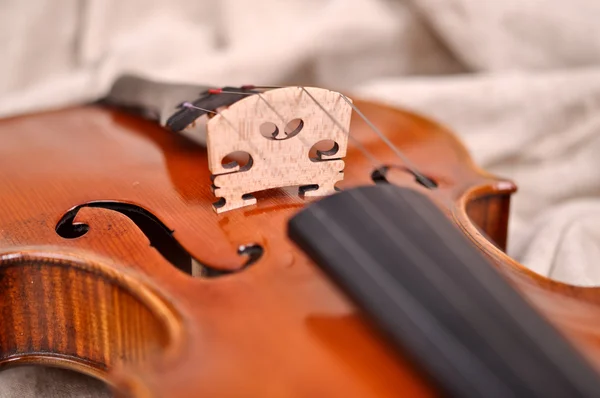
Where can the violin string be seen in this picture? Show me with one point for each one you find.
(376, 163)
(425, 180)
(356, 109)
(219, 91)
(271, 107)
(412, 168)
(190, 105)
(409, 165)
(372, 158)
(215, 112)
(407, 162)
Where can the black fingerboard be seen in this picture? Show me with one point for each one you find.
(436, 298)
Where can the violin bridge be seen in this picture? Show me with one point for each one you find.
(280, 138)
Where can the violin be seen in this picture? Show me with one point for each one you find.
(186, 241)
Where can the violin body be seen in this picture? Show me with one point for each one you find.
(114, 263)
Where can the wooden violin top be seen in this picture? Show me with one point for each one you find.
(104, 216)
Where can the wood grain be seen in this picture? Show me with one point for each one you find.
(279, 328)
(279, 157)
(61, 309)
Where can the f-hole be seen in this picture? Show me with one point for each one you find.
(379, 176)
(159, 235)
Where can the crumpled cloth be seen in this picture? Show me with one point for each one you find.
(517, 80)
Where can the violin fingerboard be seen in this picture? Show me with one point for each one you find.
(436, 298)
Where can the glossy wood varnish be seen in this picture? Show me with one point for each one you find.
(109, 304)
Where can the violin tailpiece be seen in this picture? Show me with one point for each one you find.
(265, 141)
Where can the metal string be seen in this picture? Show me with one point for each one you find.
(367, 154)
(427, 182)
(357, 143)
(412, 168)
(271, 107)
(378, 278)
(190, 105)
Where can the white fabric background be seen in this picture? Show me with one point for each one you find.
(517, 80)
